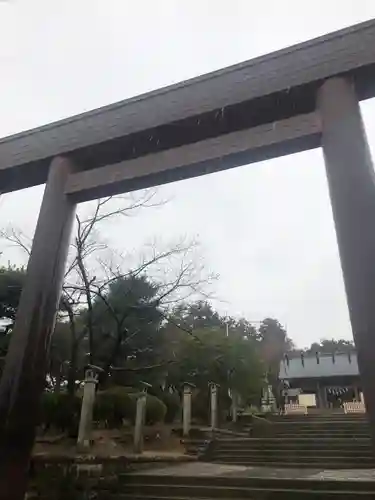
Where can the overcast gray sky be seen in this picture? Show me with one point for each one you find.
(267, 229)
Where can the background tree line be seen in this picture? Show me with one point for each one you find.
(136, 337)
(145, 315)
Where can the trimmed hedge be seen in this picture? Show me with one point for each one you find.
(116, 404)
(62, 411)
(155, 409)
(112, 407)
(200, 406)
(173, 403)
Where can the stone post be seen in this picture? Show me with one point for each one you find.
(140, 416)
(234, 406)
(213, 405)
(356, 393)
(319, 402)
(186, 409)
(87, 408)
(323, 397)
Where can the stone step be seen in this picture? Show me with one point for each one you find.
(296, 439)
(316, 430)
(320, 425)
(290, 445)
(333, 462)
(311, 422)
(312, 428)
(313, 436)
(290, 456)
(254, 495)
(294, 449)
(294, 452)
(296, 423)
(305, 425)
(337, 416)
(316, 415)
(296, 436)
(311, 414)
(194, 446)
(309, 430)
(181, 488)
(304, 440)
(241, 479)
(251, 494)
(287, 427)
(298, 465)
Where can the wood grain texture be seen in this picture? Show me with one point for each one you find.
(219, 153)
(272, 79)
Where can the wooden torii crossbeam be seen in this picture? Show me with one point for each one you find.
(292, 100)
(268, 104)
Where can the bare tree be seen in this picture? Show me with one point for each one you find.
(93, 266)
(171, 283)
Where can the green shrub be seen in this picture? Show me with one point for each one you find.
(173, 403)
(200, 406)
(105, 408)
(113, 406)
(116, 404)
(60, 410)
(155, 410)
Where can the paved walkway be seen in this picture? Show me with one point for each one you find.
(207, 469)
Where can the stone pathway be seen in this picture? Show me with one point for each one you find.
(207, 469)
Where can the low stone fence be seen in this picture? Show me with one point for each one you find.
(84, 477)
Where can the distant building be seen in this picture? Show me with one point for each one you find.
(331, 378)
(5, 325)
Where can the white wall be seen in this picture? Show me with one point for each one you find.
(307, 399)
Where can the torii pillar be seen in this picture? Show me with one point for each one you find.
(23, 379)
(351, 181)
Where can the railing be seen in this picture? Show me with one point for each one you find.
(354, 407)
(294, 408)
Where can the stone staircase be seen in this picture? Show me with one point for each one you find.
(281, 458)
(197, 443)
(280, 452)
(311, 426)
(314, 426)
(156, 486)
(325, 441)
(195, 447)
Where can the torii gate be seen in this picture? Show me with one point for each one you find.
(292, 100)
